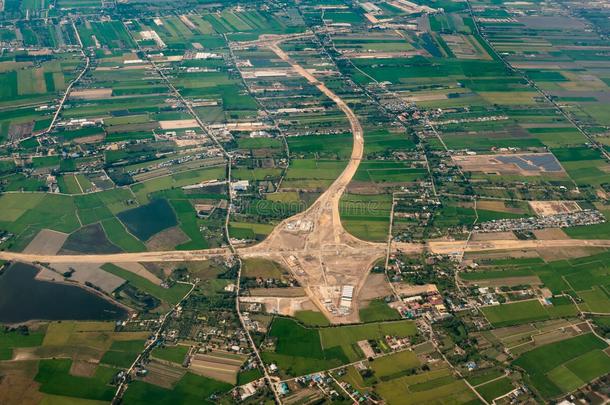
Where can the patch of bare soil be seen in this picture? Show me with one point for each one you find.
(17, 385)
(278, 292)
(19, 131)
(410, 289)
(550, 233)
(545, 208)
(493, 235)
(501, 255)
(83, 368)
(91, 94)
(167, 240)
(508, 281)
(46, 242)
(216, 367)
(375, 286)
(19, 389)
(163, 374)
(494, 205)
(550, 254)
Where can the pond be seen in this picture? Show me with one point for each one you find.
(23, 298)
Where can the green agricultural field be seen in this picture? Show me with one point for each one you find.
(175, 354)
(495, 389)
(170, 295)
(311, 318)
(12, 340)
(118, 235)
(298, 349)
(437, 386)
(348, 335)
(139, 220)
(395, 365)
(123, 353)
(539, 363)
(54, 378)
(526, 311)
(262, 268)
(378, 310)
(190, 390)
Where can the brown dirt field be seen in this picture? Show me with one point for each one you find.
(90, 272)
(550, 254)
(426, 97)
(494, 205)
(503, 333)
(74, 352)
(83, 368)
(289, 292)
(501, 255)
(490, 164)
(263, 268)
(508, 281)
(46, 242)
(163, 374)
(216, 366)
(375, 286)
(583, 327)
(90, 139)
(167, 239)
(493, 235)
(410, 290)
(282, 305)
(545, 208)
(307, 395)
(554, 336)
(19, 389)
(550, 233)
(91, 94)
(178, 124)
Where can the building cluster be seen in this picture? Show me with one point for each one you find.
(580, 218)
(429, 304)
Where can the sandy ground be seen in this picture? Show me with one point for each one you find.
(410, 289)
(167, 239)
(178, 124)
(46, 242)
(493, 236)
(280, 305)
(550, 233)
(490, 164)
(91, 94)
(544, 208)
(508, 281)
(494, 205)
(375, 286)
(92, 273)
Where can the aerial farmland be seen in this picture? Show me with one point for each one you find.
(304, 202)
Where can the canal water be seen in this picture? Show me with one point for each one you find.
(23, 298)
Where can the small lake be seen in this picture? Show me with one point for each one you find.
(23, 298)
